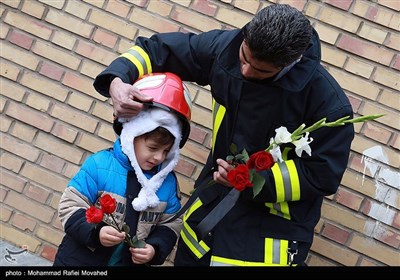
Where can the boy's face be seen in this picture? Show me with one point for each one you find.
(150, 153)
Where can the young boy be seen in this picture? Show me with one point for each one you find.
(138, 173)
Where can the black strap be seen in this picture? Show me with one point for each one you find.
(219, 211)
(190, 201)
(212, 218)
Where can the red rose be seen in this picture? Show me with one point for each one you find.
(261, 160)
(240, 177)
(108, 204)
(94, 215)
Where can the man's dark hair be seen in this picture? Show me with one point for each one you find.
(160, 135)
(278, 34)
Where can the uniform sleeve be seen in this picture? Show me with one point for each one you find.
(312, 176)
(188, 55)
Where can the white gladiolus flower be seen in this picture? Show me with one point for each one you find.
(282, 135)
(303, 145)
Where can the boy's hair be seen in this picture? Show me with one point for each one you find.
(278, 34)
(160, 135)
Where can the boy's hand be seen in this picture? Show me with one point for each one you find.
(142, 255)
(110, 236)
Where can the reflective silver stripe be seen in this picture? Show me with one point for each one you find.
(193, 242)
(277, 207)
(276, 256)
(215, 263)
(286, 181)
(140, 58)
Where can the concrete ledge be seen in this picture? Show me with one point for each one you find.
(15, 256)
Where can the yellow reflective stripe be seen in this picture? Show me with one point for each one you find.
(188, 236)
(279, 184)
(287, 185)
(140, 59)
(218, 115)
(294, 180)
(268, 249)
(196, 204)
(284, 245)
(276, 251)
(287, 181)
(275, 254)
(220, 261)
(280, 209)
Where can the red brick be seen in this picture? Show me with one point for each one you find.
(185, 168)
(396, 63)
(29, 116)
(23, 222)
(355, 103)
(48, 252)
(197, 134)
(335, 233)
(21, 40)
(341, 4)
(366, 50)
(118, 8)
(52, 163)
(387, 236)
(371, 13)
(396, 221)
(349, 199)
(105, 38)
(52, 71)
(37, 193)
(395, 141)
(204, 7)
(377, 133)
(3, 194)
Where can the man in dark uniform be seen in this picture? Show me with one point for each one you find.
(263, 76)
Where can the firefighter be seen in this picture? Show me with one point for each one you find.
(263, 76)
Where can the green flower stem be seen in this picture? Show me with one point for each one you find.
(301, 130)
(127, 236)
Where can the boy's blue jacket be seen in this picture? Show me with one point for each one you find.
(109, 171)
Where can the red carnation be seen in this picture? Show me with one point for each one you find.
(108, 204)
(240, 177)
(94, 215)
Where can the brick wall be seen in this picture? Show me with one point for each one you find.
(52, 118)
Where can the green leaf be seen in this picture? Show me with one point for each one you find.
(258, 183)
(137, 243)
(126, 228)
(245, 155)
(233, 148)
(229, 158)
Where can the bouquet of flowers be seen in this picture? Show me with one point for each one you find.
(108, 205)
(245, 174)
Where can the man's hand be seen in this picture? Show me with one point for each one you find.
(127, 100)
(220, 176)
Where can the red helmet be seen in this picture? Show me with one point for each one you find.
(169, 93)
